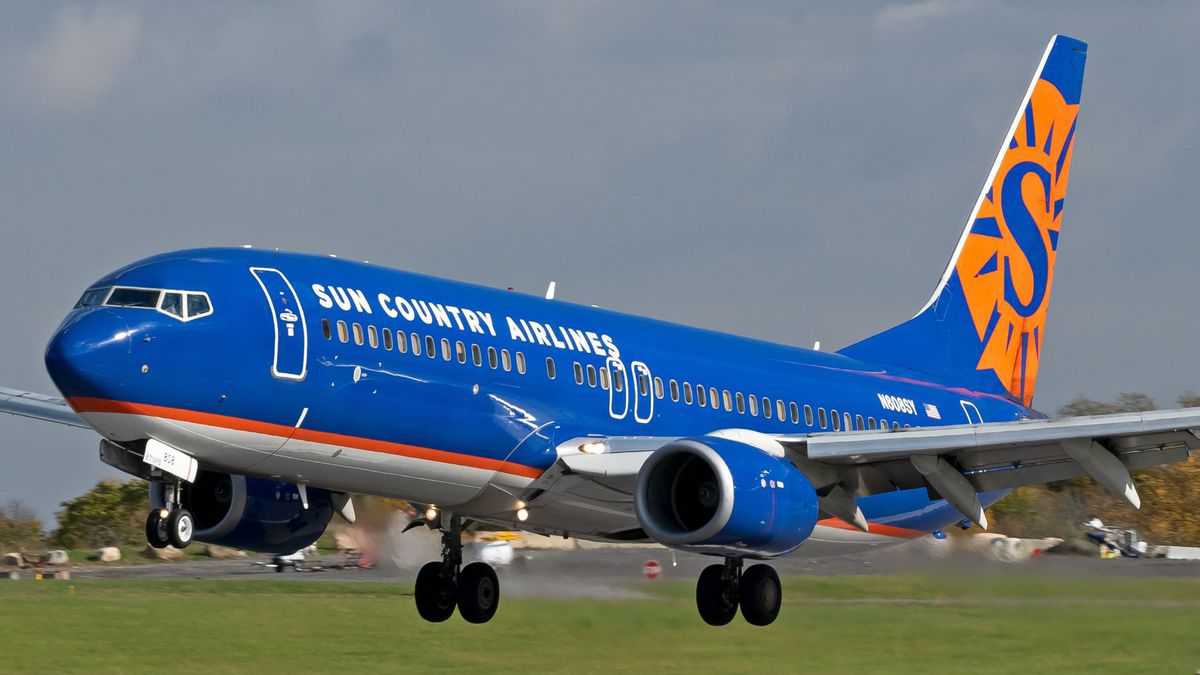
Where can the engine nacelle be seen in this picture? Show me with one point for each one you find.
(714, 495)
(255, 514)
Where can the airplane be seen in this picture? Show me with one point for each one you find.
(256, 390)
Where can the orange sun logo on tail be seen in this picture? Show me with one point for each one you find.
(1006, 266)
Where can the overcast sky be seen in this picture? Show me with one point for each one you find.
(790, 174)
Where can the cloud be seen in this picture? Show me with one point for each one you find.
(903, 16)
(82, 56)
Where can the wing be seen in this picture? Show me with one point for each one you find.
(954, 463)
(39, 407)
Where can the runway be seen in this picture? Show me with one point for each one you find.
(617, 573)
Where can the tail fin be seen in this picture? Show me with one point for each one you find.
(984, 325)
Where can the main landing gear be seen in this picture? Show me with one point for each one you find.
(723, 588)
(172, 524)
(445, 584)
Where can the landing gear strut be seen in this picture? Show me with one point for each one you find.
(172, 524)
(444, 584)
(721, 589)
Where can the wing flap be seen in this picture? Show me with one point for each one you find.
(1126, 431)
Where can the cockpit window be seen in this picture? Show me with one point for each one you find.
(133, 297)
(198, 306)
(172, 303)
(92, 297)
(182, 305)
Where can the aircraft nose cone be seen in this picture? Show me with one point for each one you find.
(89, 354)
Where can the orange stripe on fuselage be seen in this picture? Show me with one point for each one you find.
(100, 405)
(875, 528)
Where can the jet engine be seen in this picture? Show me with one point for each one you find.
(719, 496)
(255, 514)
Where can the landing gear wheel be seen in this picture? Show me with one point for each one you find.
(715, 598)
(436, 593)
(156, 530)
(761, 595)
(180, 528)
(478, 592)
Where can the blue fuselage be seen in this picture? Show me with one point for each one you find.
(486, 380)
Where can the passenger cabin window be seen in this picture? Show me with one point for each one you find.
(858, 423)
(795, 411)
(387, 339)
(591, 370)
(343, 333)
(325, 330)
(476, 355)
(658, 388)
(445, 349)
(520, 358)
(358, 334)
(505, 360)
(430, 347)
(578, 372)
(846, 419)
(687, 393)
(460, 351)
(172, 303)
(837, 420)
(871, 423)
(768, 410)
(779, 410)
(416, 344)
(401, 341)
(808, 415)
(550, 372)
(492, 357)
(753, 405)
(618, 378)
(604, 379)
(701, 396)
(712, 398)
(674, 386)
(727, 399)
(741, 403)
(821, 418)
(373, 337)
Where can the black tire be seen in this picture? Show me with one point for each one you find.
(180, 528)
(156, 530)
(478, 592)
(715, 601)
(435, 593)
(761, 595)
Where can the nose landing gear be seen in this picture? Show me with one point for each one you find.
(172, 524)
(721, 589)
(444, 584)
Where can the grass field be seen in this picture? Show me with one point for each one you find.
(828, 625)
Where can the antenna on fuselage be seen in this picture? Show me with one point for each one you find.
(550, 290)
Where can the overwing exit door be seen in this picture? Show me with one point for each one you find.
(291, 331)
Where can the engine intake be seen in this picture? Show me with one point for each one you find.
(716, 495)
